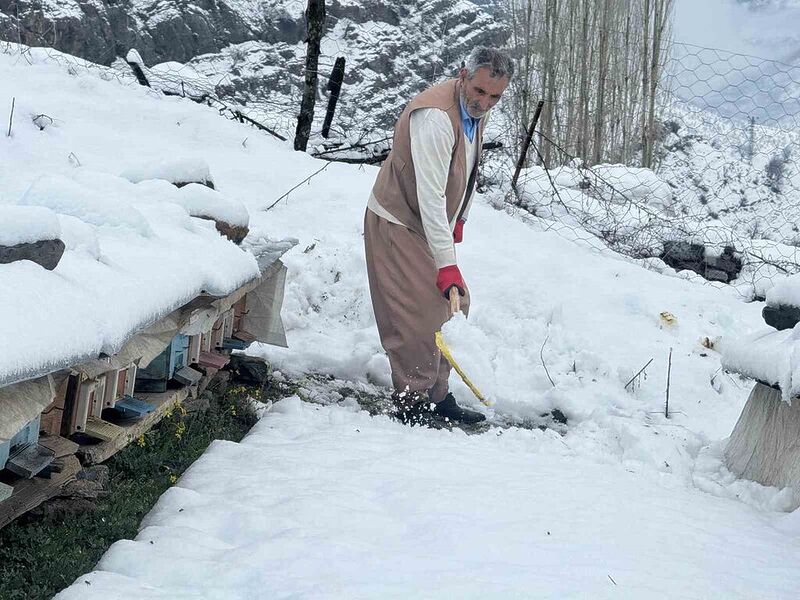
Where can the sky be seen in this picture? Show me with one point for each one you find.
(729, 25)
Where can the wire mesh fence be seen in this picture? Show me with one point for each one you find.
(719, 202)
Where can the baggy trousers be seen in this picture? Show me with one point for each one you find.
(409, 308)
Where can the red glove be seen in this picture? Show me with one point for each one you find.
(448, 277)
(458, 232)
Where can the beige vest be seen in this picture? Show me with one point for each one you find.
(396, 186)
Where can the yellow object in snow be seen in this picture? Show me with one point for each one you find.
(669, 318)
(440, 343)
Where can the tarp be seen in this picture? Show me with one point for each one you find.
(21, 403)
(263, 315)
(764, 444)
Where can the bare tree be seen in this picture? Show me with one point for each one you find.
(598, 65)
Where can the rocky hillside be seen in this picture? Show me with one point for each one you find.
(252, 51)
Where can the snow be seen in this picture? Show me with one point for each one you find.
(326, 501)
(134, 57)
(201, 201)
(330, 503)
(65, 196)
(180, 169)
(20, 225)
(179, 79)
(786, 291)
(769, 356)
(131, 257)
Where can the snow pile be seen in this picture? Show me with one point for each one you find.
(179, 79)
(128, 262)
(201, 201)
(26, 224)
(64, 196)
(179, 170)
(635, 184)
(330, 503)
(786, 291)
(132, 255)
(770, 356)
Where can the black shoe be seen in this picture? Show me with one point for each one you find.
(449, 409)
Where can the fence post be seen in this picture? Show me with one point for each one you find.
(526, 144)
(315, 24)
(334, 87)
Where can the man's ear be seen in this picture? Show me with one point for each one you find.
(462, 74)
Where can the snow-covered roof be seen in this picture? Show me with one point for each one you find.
(131, 258)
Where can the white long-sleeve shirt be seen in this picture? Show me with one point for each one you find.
(432, 142)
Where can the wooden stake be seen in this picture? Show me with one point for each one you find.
(669, 373)
(11, 118)
(524, 152)
(335, 88)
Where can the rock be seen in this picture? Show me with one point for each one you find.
(249, 370)
(782, 316)
(682, 255)
(235, 233)
(46, 253)
(678, 251)
(99, 474)
(716, 275)
(84, 488)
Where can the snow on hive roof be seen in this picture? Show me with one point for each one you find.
(27, 224)
(129, 262)
(67, 197)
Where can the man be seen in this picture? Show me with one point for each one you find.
(416, 213)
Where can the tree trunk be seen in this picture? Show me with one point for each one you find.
(315, 23)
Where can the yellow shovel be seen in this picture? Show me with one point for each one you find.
(455, 306)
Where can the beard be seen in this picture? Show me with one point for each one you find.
(473, 108)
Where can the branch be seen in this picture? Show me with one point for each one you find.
(297, 186)
(639, 373)
(11, 118)
(242, 118)
(541, 357)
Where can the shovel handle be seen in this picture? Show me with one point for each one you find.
(455, 300)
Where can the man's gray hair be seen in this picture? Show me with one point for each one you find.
(497, 61)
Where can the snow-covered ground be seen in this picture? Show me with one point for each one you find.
(328, 502)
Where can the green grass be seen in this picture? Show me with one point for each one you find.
(41, 556)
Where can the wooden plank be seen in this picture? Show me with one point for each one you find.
(213, 360)
(30, 493)
(61, 446)
(164, 401)
(102, 430)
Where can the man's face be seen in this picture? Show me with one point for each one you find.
(482, 92)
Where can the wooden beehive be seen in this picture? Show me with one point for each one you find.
(119, 383)
(53, 415)
(90, 393)
(156, 376)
